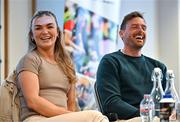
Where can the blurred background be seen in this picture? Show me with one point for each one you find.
(91, 30)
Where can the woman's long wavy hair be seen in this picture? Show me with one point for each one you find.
(61, 55)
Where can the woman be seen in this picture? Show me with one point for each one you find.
(46, 77)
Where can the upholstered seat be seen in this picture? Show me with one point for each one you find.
(111, 116)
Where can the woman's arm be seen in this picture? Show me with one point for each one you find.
(71, 98)
(29, 83)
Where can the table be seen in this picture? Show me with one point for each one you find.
(138, 119)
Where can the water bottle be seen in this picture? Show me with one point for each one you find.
(147, 109)
(157, 90)
(171, 90)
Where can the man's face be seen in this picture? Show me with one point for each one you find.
(134, 34)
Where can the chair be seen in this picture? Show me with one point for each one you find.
(111, 116)
(9, 100)
(97, 98)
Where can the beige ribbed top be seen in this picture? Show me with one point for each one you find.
(53, 83)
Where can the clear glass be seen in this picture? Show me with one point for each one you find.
(157, 90)
(170, 88)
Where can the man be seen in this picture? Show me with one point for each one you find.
(123, 77)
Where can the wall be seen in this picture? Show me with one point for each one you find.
(1, 12)
(168, 24)
(57, 7)
(19, 14)
(147, 7)
(2, 38)
(163, 30)
(162, 17)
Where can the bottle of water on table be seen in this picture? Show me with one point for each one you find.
(147, 109)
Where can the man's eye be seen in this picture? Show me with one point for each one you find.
(137, 27)
(37, 28)
(134, 27)
(144, 28)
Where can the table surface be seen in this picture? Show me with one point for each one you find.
(138, 119)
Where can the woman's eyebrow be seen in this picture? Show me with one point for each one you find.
(44, 24)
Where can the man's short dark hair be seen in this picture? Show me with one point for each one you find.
(130, 16)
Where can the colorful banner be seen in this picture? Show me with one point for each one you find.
(90, 31)
(109, 9)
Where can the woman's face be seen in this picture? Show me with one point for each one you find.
(44, 32)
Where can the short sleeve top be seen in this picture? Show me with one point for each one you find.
(53, 83)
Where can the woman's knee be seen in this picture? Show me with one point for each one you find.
(92, 112)
(97, 115)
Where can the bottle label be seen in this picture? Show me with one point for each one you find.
(167, 111)
(144, 110)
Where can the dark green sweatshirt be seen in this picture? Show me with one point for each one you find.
(123, 80)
